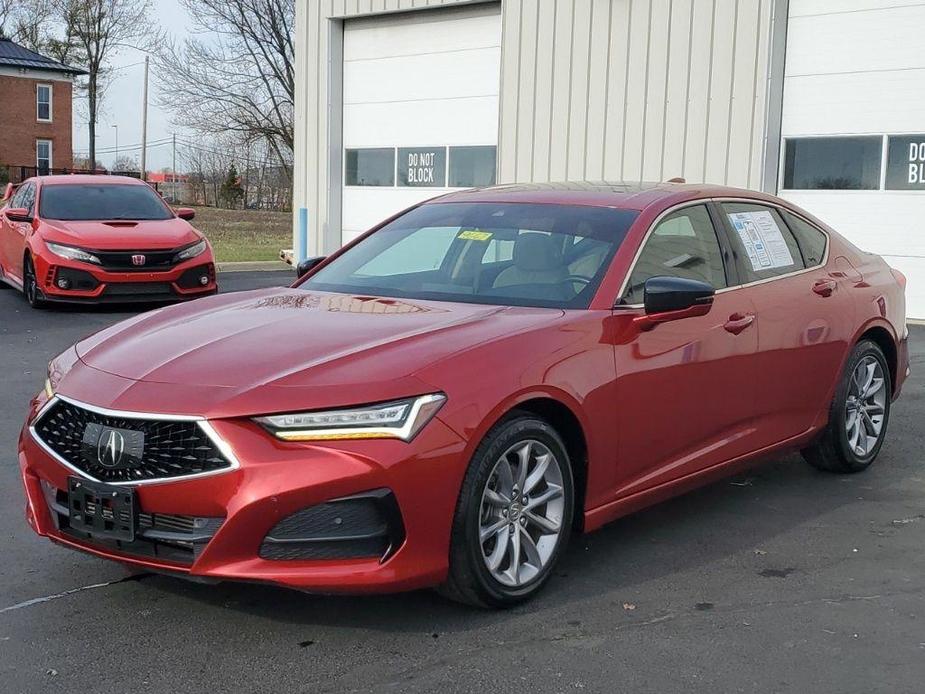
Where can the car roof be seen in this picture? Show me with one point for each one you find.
(85, 179)
(624, 195)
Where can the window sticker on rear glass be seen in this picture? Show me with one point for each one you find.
(474, 235)
(762, 239)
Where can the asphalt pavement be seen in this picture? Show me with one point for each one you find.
(783, 579)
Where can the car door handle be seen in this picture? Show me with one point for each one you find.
(738, 322)
(824, 287)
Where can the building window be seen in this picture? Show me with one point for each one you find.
(370, 167)
(905, 162)
(832, 163)
(422, 167)
(472, 166)
(43, 103)
(43, 156)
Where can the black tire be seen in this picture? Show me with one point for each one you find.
(832, 452)
(30, 285)
(469, 580)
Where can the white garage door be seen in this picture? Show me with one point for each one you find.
(420, 109)
(854, 126)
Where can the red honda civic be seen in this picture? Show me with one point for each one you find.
(443, 401)
(97, 239)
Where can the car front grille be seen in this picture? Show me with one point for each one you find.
(150, 449)
(121, 261)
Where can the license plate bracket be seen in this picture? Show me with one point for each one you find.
(104, 511)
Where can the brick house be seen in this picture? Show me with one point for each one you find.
(35, 109)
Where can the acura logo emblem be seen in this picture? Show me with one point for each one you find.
(110, 448)
(138, 260)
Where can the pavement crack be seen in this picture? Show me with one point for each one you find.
(72, 591)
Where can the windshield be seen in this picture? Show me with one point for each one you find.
(491, 253)
(69, 202)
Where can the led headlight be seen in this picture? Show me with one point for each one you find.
(399, 419)
(72, 253)
(192, 251)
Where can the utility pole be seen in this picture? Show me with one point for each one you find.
(144, 125)
(173, 171)
(117, 145)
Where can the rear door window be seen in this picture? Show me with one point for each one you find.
(763, 244)
(811, 240)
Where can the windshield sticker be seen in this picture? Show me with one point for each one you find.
(475, 235)
(762, 239)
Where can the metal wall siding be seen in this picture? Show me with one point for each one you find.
(590, 89)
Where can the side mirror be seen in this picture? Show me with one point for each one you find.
(186, 213)
(308, 265)
(673, 298)
(18, 214)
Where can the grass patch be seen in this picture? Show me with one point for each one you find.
(240, 235)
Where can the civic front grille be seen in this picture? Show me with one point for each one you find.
(113, 447)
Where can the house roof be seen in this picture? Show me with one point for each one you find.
(14, 55)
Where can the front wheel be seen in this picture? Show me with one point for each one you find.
(513, 517)
(858, 415)
(30, 285)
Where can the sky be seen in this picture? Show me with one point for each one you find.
(122, 104)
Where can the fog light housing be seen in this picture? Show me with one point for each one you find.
(63, 283)
(204, 280)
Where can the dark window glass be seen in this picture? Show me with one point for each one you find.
(905, 162)
(28, 197)
(490, 253)
(370, 167)
(20, 196)
(832, 163)
(683, 244)
(422, 167)
(812, 241)
(103, 201)
(762, 242)
(472, 166)
(43, 102)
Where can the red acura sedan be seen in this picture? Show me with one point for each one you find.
(96, 239)
(446, 399)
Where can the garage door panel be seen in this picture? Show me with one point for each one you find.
(362, 206)
(436, 76)
(470, 121)
(420, 35)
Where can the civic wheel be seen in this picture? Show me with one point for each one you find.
(513, 517)
(858, 414)
(30, 285)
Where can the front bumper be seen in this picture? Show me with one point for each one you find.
(88, 283)
(275, 480)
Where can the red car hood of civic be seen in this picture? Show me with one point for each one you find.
(121, 235)
(290, 338)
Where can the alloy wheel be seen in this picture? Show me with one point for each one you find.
(30, 283)
(866, 405)
(521, 516)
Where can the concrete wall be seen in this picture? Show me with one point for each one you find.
(590, 90)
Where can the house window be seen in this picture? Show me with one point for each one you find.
(832, 163)
(370, 167)
(43, 103)
(43, 156)
(472, 166)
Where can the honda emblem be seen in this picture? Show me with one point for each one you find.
(138, 260)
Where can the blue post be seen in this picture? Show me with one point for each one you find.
(301, 249)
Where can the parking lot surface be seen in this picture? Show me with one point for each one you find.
(783, 579)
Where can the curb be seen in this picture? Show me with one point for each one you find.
(251, 266)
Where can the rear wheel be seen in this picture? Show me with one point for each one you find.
(30, 285)
(513, 517)
(858, 415)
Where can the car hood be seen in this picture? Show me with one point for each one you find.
(121, 235)
(290, 338)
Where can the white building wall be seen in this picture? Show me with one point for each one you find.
(857, 67)
(589, 90)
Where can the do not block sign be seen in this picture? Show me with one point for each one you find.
(422, 167)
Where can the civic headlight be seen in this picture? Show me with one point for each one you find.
(192, 251)
(72, 253)
(399, 419)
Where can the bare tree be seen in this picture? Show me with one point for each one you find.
(99, 28)
(241, 79)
